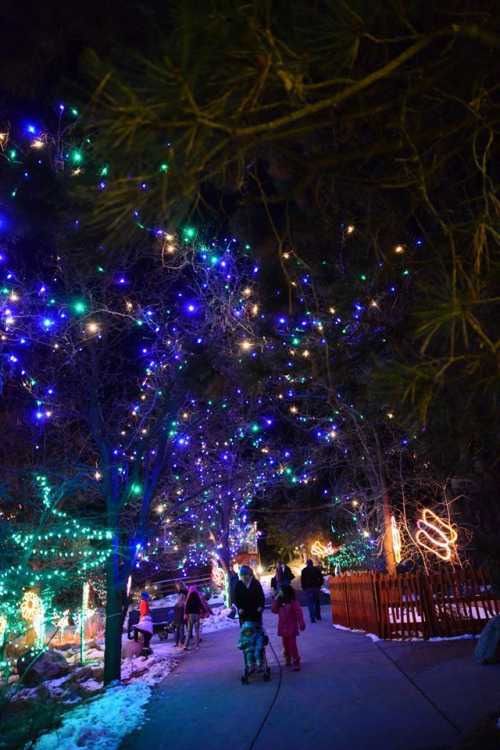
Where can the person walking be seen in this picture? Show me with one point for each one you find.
(290, 623)
(233, 580)
(311, 580)
(249, 597)
(145, 624)
(179, 607)
(193, 609)
(282, 576)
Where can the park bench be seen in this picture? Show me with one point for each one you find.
(163, 621)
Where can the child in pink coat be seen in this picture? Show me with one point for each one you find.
(290, 621)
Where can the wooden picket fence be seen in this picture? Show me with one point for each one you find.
(414, 605)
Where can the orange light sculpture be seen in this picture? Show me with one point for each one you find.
(318, 549)
(396, 540)
(436, 535)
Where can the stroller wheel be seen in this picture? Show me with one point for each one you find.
(244, 679)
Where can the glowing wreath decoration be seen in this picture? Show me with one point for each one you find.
(436, 535)
(31, 607)
(33, 611)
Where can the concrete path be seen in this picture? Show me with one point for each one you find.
(351, 694)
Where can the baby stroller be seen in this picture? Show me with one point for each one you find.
(253, 642)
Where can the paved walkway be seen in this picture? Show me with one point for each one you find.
(351, 694)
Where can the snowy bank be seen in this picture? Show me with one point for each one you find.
(99, 724)
(375, 638)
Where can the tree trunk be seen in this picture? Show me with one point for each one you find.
(390, 559)
(115, 592)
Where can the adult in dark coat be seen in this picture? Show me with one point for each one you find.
(311, 580)
(233, 580)
(282, 577)
(249, 596)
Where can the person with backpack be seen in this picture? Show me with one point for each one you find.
(290, 623)
(311, 580)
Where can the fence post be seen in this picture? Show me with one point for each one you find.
(376, 604)
(430, 626)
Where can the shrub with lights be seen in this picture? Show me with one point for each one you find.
(50, 556)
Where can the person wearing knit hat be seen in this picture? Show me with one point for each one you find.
(145, 624)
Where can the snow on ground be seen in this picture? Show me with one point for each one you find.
(101, 723)
(165, 601)
(95, 724)
(150, 670)
(376, 638)
(169, 601)
(218, 621)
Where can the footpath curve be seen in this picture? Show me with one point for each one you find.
(351, 694)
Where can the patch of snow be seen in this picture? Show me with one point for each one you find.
(99, 724)
(216, 599)
(150, 670)
(374, 638)
(349, 630)
(165, 601)
(91, 685)
(464, 637)
(218, 621)
(57, 682)
(169, 601)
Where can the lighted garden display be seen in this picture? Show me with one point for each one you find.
(248, 373)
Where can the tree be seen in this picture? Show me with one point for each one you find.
(118, 353)
(373, 117)
(229, 458)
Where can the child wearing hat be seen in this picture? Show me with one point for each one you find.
(145, 624)
(290, 622)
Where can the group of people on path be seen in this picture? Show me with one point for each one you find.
(248, 597)
(189, 610)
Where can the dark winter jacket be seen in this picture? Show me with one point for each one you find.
(233, 580)
(250, 600)
(194, 605)
(179, 607)
(311, 577)
(281, 577)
